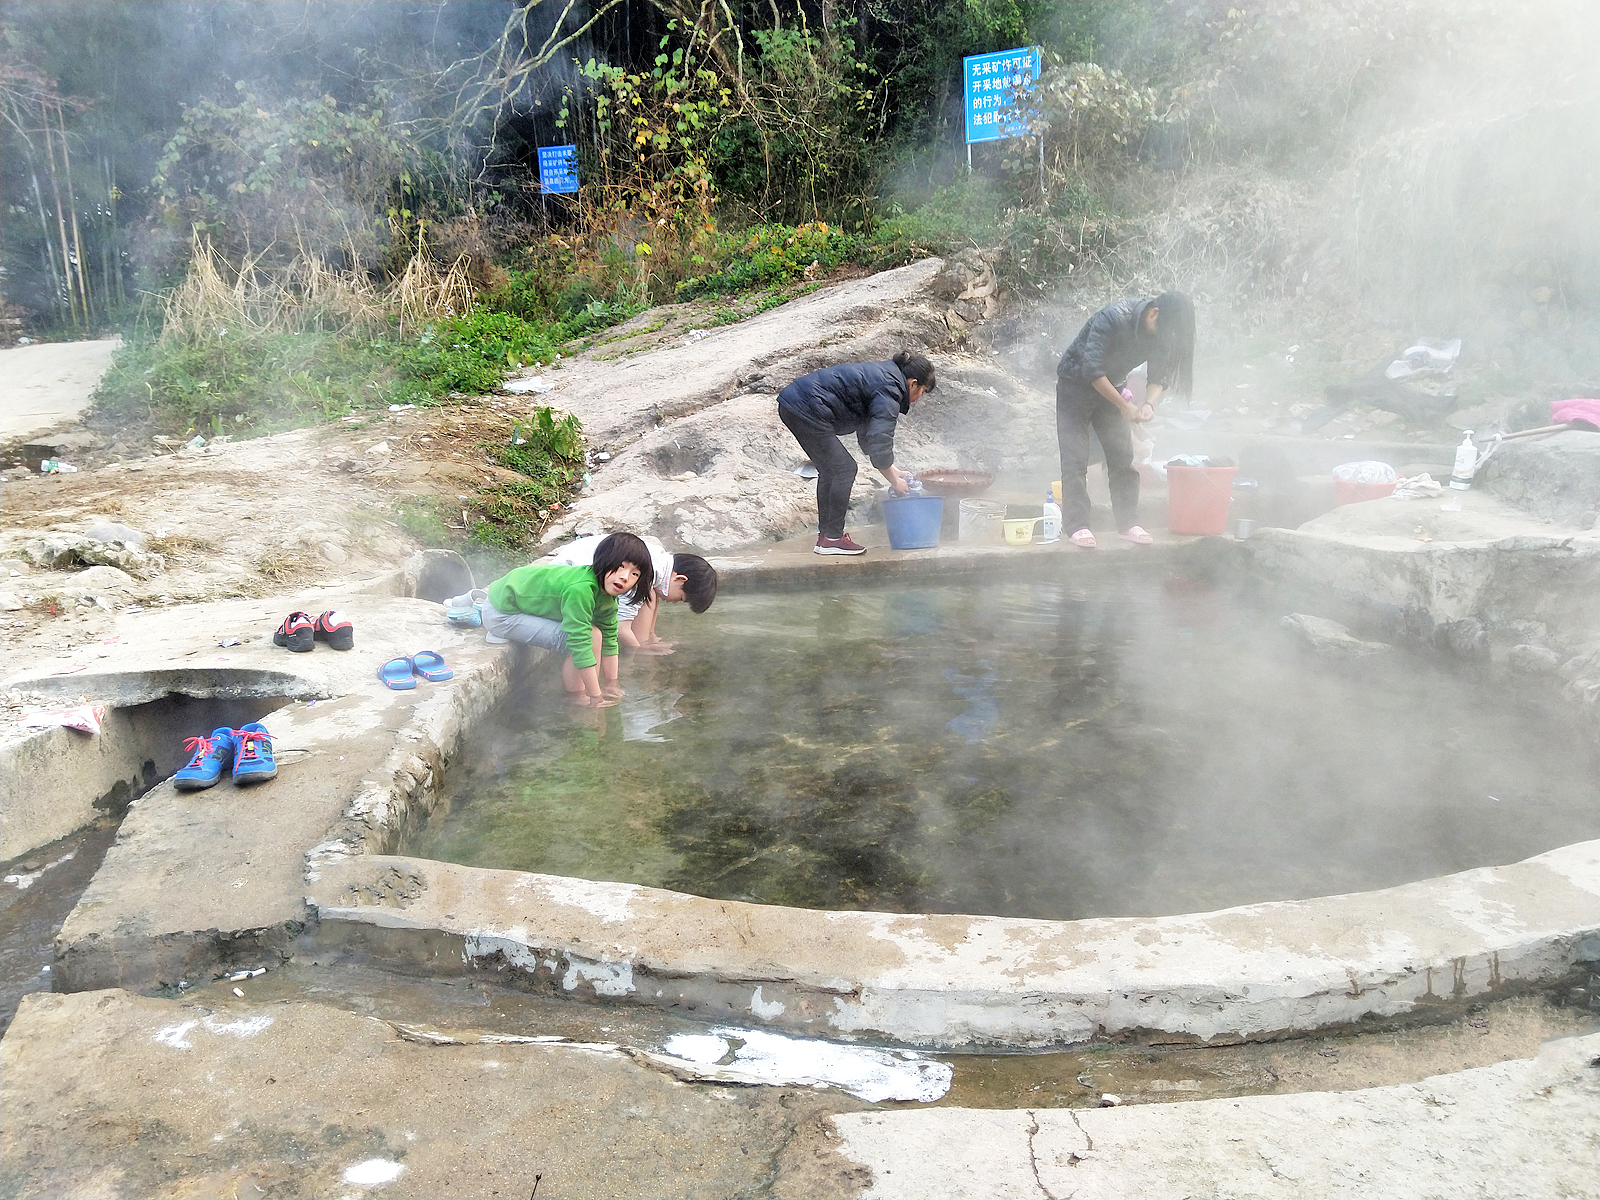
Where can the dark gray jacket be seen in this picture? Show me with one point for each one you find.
(865, 399)
(1111, 343)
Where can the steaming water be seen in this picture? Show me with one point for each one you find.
(1059, 750)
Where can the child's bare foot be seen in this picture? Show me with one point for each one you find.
(655, 648)
(584, 700)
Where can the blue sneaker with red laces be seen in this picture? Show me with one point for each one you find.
(209, 758)
(252, 759)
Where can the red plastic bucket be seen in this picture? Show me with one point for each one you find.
(1345, 492)
(1198, 498)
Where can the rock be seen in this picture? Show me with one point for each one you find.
(437, 575)
(59, 551)
(10, 602)
(1533, 660)
(332, 552)
(378, 449)
(53, 551)
(97, 579)
(1466, 638)
(1330, 637)
(1581, 664)
(110, 531)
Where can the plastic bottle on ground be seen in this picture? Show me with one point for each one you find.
(1466, 464)
(1050, 526)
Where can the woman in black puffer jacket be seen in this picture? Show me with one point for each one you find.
(865, 399)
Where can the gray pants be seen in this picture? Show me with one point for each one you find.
(499, 628)
(1080, 411)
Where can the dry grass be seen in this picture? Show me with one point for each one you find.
(183, 548)
(217, 297)
(280, 566)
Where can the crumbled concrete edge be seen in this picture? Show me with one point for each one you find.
(1526, 606)
(1252, 972)
(378, 817)
(373, 818)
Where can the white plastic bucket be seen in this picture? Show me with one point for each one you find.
(981, 520)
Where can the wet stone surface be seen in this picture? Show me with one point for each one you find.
(37, 892)
(1056, 748)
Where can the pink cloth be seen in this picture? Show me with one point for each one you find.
(1562, 411)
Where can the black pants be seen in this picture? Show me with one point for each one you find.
(1078, 410)
(836, 470)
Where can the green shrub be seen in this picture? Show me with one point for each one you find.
(766, 256)
(548, 450)
(475, 352)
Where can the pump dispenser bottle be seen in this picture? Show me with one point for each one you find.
(1050, 527)
(1466, 464)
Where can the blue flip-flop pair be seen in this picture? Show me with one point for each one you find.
(402, 673)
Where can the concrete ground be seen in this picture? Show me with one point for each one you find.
(238, 1098)
(45, 387)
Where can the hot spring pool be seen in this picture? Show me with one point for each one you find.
(1110, 747)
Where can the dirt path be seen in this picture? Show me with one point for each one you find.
(273, 514)
(45, 387)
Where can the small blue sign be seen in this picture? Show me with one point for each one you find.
(558, 168)
(993, 85)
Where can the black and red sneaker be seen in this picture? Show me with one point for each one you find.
(335, 629)
(839, 545)
(296, 632)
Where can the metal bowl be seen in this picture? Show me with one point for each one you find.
(953, 483)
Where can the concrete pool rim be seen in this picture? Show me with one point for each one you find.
(1255, 971)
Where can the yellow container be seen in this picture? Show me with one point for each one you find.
(1055, 491)
(1020, 532)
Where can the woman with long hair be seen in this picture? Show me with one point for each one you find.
(1089, 379)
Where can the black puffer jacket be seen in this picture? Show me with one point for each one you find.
(865, 399)
(1112, 344)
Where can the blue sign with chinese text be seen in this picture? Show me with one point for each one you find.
(558, 168)
(991, 84)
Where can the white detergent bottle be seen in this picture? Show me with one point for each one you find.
(1050, 527)
(1466, 464)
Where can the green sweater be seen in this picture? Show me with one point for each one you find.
(571, 595)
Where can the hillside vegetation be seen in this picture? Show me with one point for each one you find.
(295, 212)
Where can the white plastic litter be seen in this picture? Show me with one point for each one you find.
(534, 383)
(1368, 471)
(769, 1058)
(1430, 356)
(84, 717)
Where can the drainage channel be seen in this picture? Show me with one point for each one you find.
(38, 890)
(423, 1009)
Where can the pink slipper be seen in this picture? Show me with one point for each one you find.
(1137, 536)
(1083, 538)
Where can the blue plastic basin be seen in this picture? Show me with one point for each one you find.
(913, 521)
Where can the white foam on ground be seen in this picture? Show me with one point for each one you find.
(373, 1172)
(770, 1058)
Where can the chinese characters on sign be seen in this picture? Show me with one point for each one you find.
(558, 168)
(991, 83)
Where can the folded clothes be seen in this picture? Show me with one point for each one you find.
(1417, 487)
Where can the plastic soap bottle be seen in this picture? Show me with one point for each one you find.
(1466, 464)
(1050, 527)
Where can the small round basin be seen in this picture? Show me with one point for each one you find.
(955, 484)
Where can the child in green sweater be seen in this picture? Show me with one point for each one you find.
(573, 609)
